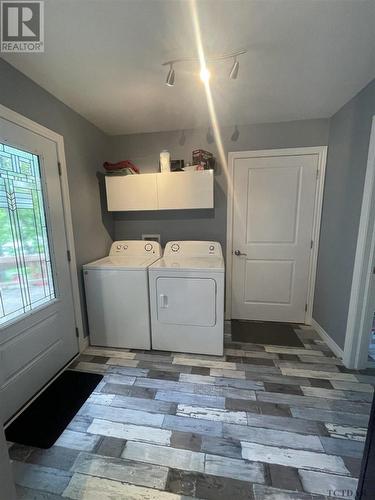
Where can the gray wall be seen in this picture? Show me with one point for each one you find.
(346, 167)
(85, 149)
(144, 149)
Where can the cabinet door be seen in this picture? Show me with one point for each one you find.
(186, 301)
(178, 190)
(131, 192)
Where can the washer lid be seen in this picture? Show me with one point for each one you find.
(121, 263)
(211, 264)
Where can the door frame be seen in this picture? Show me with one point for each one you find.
(361, 304)
(26, 123)
(321, 151)
(8, 488)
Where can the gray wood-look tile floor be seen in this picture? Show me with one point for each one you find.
(261, 422)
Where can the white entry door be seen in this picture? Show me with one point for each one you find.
(37, 326)
(273, 212)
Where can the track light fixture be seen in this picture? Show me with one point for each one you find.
(204, 72)
(170, 77)
(234, 71)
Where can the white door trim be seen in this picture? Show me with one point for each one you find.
(22, 121)
(321, 151)
(8, 489)
(357, 327)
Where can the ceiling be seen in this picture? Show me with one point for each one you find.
(103, 58)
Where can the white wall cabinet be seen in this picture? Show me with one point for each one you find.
(161, 191)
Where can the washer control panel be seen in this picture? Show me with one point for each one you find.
(121, 247)
(136, 248)
(193, 249)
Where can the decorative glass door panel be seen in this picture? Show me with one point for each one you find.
(26, 278)
(37, 320)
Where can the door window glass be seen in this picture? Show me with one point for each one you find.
(26, 280)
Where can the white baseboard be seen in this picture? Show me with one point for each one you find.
(327, 339)
(83, 343)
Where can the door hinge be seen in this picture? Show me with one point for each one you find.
(317, 174)
(77, 332)
(311, 244)
(68, 255)
(59, 168)
(305, 307)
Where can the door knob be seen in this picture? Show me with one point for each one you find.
(238, 253)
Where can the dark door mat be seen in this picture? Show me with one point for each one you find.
(42, 423)
(280, 334)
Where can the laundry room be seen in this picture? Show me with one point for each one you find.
(187, 249)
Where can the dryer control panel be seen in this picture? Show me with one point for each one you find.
(136, 248)
(193, 249)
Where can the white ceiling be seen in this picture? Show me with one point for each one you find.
(305, 59)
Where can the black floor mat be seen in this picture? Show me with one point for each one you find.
(42, 423)
(280, 334)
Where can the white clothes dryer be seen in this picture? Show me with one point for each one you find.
(187, 298)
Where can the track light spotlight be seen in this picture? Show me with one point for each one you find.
(170, 77)
(234, 71)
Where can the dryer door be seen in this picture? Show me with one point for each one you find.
(186, 301)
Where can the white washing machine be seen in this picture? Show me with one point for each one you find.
(187, 298)
(117, 295)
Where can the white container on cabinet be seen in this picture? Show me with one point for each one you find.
(165, 161)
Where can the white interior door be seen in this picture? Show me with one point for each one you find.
(37, 326)
(273, 214)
